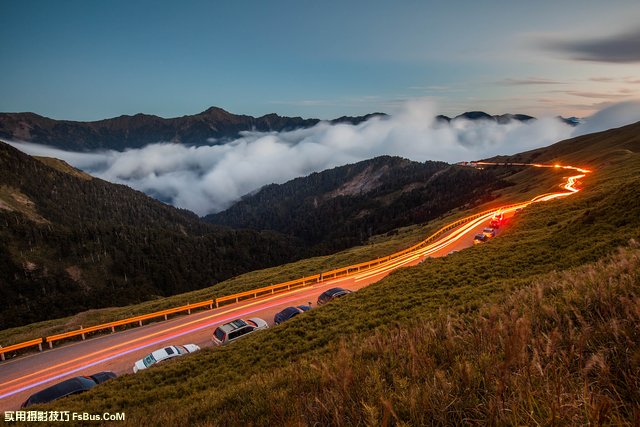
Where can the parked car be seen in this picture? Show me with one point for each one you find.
(68, 387)
(479, 238)
(289, 312)
(164, 354)
(489, 232)
(232, 331)
(331, 294)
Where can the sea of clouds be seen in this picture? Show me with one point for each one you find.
(209, 178)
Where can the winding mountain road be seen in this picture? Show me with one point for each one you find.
(117, 352)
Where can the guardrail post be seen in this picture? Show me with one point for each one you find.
(165, 317)
(211, 305)
(40, 347)
(82, 334)
(113, 329)
(188, 309)
(50, 344)
(139, 322)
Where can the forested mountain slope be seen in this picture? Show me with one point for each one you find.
(69, 242)
(344, 206)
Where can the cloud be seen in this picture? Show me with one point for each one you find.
(208, 179)
(629, 80)
(619, 48)
(610, 117)
(529, 81)
(598, 95)
(603, 79)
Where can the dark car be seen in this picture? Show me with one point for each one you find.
(68, 387)
(289, 312)
(101, 377)
(479, 238)
(331, 294)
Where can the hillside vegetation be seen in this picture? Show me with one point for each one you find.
(343, 207)
(538, 326)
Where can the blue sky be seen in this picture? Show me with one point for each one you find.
(88, 60)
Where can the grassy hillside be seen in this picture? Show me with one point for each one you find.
(538, 326)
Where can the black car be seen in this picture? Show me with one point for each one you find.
(68, 387)
(290, 312)
(479, 238)
(332, 293)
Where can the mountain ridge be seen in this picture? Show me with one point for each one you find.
(138, 130)
(210, 126)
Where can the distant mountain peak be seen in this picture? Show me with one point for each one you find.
(481, 115)
(573, 121)
(213, 111)
(475, 115)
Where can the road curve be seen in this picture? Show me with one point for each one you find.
(117, 352)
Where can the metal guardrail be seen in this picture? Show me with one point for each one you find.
(138, 319)
(272, 289)
(3, 350)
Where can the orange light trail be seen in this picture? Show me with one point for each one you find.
(391, 265)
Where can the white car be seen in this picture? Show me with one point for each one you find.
(164, 354)
(238, 328)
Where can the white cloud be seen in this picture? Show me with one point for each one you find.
(208, 179)
(613, 116)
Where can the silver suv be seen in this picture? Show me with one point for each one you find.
(237, 329)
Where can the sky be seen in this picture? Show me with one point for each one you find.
(90, 60)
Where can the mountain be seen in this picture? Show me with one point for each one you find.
(70, 242)
(572, 121)
(141, 129)
(539, 326)
(481, 115)
(344, 206)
